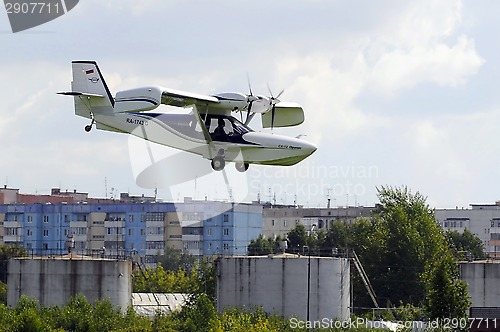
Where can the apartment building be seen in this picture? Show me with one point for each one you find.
(144, 228)
(482, 220)
(279, 220)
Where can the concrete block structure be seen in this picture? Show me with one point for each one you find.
(279, 284)
(483, 282)
(53, 280)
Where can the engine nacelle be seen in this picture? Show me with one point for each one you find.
(138, 100)
(231, 100)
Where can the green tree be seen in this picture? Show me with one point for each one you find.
(175, 259)
(466, 245)
(259, 246)
(201, 279)
(7, 252)
(6, 318)
(76, 315)
(405, 240)
(297, 238)
(446, 294)
(3, 293)
(316, 240)
(27, 316)
(159, 280)
(201, 315)
(205, 278)
(338, 235)
(263, 246)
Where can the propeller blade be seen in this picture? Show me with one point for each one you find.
(279, 94)
(250, 99)
(249, 86)
(273, 110)
(274, 100)
(270, 92)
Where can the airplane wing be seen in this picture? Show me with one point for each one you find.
(183, 99)
(285, 115)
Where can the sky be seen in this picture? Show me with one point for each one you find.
(395, 93)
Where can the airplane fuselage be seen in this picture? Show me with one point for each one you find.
(251, 147)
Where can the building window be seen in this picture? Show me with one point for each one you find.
(209, 245)
(45, 232)
(155, 216)
(131, 217)
(143, 231)
(30, 218)
(45, 218)
(81, 217)
(284, 223)
(209, 232)
(226, 231)
(131, 231)
(272, 222)
(11, 231)
(226, 217)
(225, 246)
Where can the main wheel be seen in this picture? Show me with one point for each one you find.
(241, 167)
(218, 163)
(88, 128)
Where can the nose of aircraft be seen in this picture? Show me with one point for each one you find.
(307, 147)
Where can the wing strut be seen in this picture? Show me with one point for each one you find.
(205, 131)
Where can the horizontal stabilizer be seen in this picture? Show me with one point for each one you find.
(73, 93)
(285, 115)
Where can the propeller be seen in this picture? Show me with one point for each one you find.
(250, 99)
(272, 102)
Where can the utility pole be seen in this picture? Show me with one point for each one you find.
(309, 273)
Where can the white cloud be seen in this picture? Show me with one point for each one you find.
(440, 63)
(342, 62)
(415, 46)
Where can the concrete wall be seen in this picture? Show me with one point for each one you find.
(54, 281)
(279, 285)
(483, 279)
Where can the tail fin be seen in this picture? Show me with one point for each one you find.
(89, 89)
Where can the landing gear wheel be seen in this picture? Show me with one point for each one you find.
(88, 128)
(241, 167)
(218, 163)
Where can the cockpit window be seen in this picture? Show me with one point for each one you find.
(225, 128)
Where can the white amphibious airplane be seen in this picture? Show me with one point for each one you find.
(208, 130)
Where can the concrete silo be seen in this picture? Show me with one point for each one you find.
(285, 285)
(53, 280)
